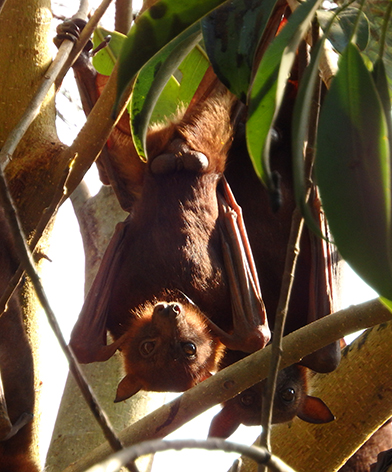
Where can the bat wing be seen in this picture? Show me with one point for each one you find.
(250, 325)
(322, 293)
(88, 338)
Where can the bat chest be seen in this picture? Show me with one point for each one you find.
(177, 247)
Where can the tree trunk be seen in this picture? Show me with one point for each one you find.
(34, 170)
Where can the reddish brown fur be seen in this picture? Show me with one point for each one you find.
(291, 399)
(156, 336)
(171, 241)
(269, 234)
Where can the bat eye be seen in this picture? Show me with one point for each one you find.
(288, 395)
(189, 349)
(247, 399)
(147, 348)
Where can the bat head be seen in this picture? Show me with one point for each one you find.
(168, 347)
(291, 399)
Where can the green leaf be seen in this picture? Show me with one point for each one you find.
(342, 29)
(105, 59)
(231, 36)
(167, 102)
(353, 171)
(381, 82)
(152, 80)
(268, 87)
(177, 94)
(378, 13)
(192, 69)
(155, 28)
(387, 303)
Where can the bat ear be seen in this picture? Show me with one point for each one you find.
(325, 359)
(128, 386)
(223, 424)
(314, 410)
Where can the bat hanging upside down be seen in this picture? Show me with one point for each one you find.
(169, 289)
(291, 399)
(177, 285)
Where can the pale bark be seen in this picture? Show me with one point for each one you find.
(25, 56)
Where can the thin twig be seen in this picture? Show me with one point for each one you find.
(124, 16)
(59, 66)
(23, 250)
(259, 455)
(84, 36)
(84, 8)
(57, 69)
(34, 107)
(2, 3)
(292, 253)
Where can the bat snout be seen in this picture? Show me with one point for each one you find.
(171, 310)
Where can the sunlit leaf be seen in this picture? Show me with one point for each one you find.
(105, 59)
(268, 87)
(387, 303)
(342, 29)
(152, 80)
(155, 28)
(192, 69)
(353, 171)
(381, 83)
(167, 102)
(231, 36)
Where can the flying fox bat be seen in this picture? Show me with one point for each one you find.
(187, 158)
(315, 288)
(178, 239)
(291, 399)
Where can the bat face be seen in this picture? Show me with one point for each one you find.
(290, 400)
(167, 348)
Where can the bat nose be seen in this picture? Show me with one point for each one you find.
(167, 309)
